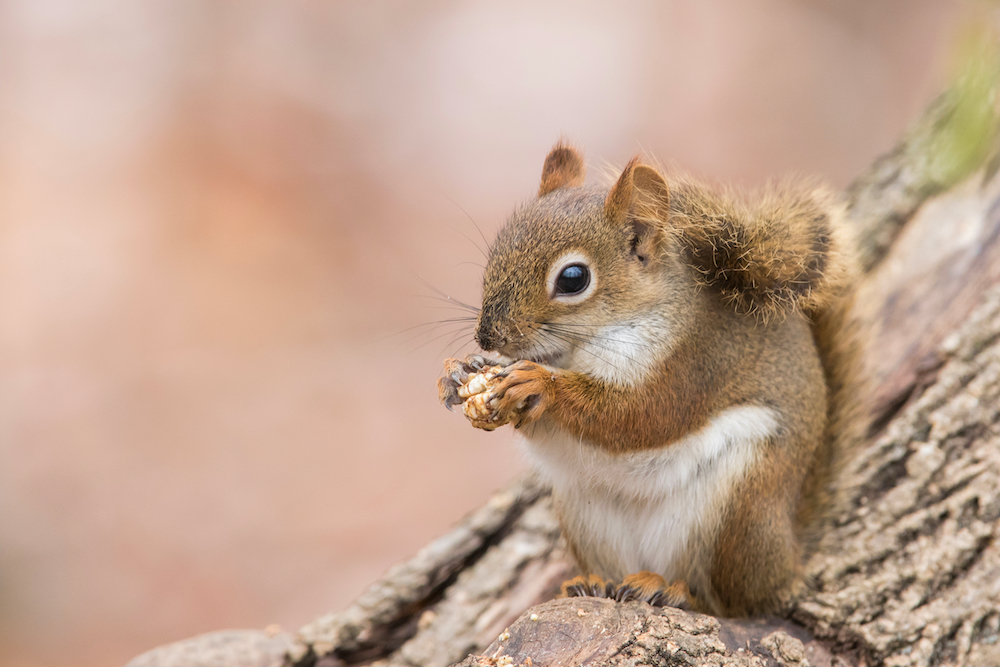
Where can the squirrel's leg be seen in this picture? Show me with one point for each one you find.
(757, 559)
(643, 586)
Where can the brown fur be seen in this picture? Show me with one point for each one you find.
(754, 298)
(784, 253)
(563, 168)
(669, 407)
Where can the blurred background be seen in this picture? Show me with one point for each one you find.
(220, 220)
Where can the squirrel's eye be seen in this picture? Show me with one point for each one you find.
(573, 279)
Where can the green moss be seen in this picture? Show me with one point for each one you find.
(967, 134)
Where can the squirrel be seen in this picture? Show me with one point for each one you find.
(671, 357)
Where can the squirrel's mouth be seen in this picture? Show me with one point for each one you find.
(536, 353)
(553, 359)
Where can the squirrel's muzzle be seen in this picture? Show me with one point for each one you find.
(491, 330)
(489, 337)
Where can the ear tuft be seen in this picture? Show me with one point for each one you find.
(564, 168)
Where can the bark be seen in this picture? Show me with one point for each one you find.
(910, 575)
(457, 594)
(909, 570)
(226, 648)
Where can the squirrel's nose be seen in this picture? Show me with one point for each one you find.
(491, 335)
(488, 337)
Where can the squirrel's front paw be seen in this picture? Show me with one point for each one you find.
(456, 375)
(525, 389)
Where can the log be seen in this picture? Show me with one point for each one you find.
(908, 572)
(457, 594)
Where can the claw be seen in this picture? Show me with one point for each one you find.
(587, 586)
(643, 586)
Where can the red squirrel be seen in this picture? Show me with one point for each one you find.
(668, 355)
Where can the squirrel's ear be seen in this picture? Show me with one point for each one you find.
(652, 195)
(640, 198)
(563, 168)
(618, 203)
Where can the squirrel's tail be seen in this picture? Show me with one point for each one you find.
(784, 252)
(838, 335)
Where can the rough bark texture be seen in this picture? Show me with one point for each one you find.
(909, 572)
(457, 594)
(590, 631)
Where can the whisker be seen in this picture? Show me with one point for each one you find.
(450, 332)
(448, 298)
(457, 349)
(467, 238)
(583, 341)
(583, 348)
(476, 264)
(449, 306)
(427, 332)
(450, 320)
(423, 328)
(458, 335)
(427, 327)
(588, 340)
(580, 326)
(473, 221)
(588, 351)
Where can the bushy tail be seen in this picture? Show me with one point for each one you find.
(786, 252)
(838, 338)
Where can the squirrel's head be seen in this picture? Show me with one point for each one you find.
(575, 261)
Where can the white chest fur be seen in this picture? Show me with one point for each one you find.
(640, 511)
(619, 354)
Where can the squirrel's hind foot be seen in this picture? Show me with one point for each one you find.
(643, 586)
(590, 586)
